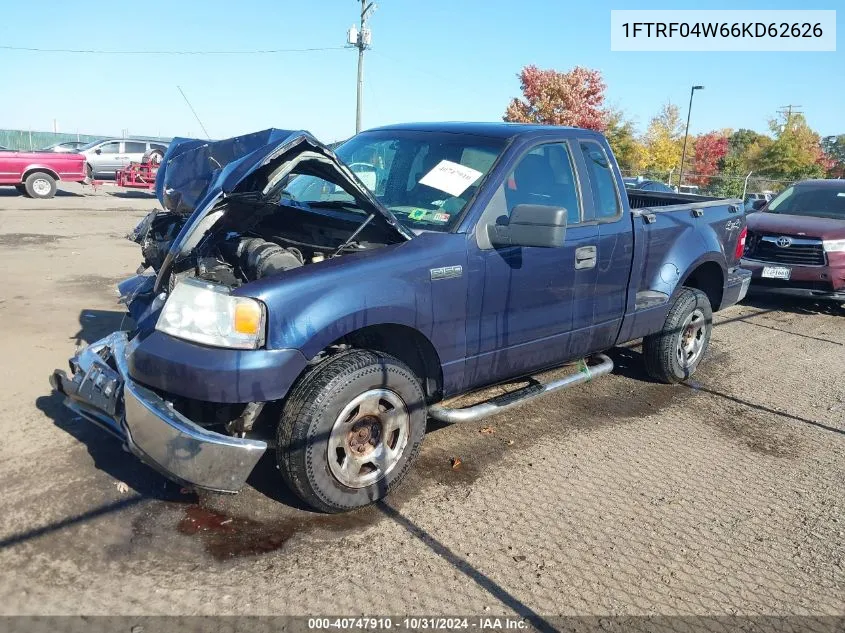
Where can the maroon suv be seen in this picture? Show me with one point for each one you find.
(796, 243)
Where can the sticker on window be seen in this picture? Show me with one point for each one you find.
(453, 178)
(441, 217)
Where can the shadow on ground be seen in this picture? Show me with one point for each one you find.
(628, 362)
(96, 324)
(140, 195)
(107, 452)
(794, 305)
(11, 192)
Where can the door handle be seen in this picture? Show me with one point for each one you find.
(585, 257)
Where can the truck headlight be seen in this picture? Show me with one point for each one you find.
(206, 313)
(834, 246)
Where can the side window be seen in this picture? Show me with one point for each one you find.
(110, 148)
(545, 175)
(134, 147)
(602, 180)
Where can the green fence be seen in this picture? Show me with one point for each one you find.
(30, 140)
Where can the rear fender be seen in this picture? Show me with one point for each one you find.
(34, 168)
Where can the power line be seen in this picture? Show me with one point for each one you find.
(269, 51)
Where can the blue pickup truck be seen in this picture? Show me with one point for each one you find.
(324, 304)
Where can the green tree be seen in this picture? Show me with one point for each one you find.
(730, 181)
(630, 153)
(796, 151)
(747, 146)
(663, 139)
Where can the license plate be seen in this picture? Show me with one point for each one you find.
(776, 272)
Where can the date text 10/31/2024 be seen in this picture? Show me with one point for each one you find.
(419, 623)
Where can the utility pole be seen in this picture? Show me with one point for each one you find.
(361, 38)
(787, 109)
(686, 135)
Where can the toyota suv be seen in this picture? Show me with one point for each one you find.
(796, 243)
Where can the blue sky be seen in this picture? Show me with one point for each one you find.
(432, 60)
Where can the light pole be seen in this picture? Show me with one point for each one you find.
(686, 135)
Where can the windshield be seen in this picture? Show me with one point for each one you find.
(825, 201)
(425, 179)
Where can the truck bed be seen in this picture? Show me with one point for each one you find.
(642, 199)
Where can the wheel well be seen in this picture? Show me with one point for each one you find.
(406, 344)
(708, 278)
(44, 170)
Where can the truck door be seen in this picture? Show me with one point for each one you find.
(522, 312)
(614, 247)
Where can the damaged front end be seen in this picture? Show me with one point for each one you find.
(100, 390)
(228, 217)
(227, 221)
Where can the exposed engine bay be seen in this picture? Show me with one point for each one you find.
(256, 238)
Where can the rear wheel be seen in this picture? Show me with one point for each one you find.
(350, 430)
(40, 185)
(673, 354)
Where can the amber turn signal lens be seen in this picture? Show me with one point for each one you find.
(247, 317)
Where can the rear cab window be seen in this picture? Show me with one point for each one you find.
(602, 181)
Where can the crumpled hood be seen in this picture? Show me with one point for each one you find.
(193, 172)
(195, 175)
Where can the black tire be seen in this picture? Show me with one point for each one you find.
(21, 190)
(312, 411)
(89, 171)
(40, 185)
(690, 320)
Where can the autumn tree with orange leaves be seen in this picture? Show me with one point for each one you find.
(560, 98)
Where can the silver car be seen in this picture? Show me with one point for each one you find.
(107, 156)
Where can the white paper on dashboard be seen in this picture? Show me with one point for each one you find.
(453, 178)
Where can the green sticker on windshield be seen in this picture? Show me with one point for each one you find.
(418, 214)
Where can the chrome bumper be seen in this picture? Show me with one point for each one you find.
(102, 392)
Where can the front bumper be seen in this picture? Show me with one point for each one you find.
(101, 391)
(807, 282)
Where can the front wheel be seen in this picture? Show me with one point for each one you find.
(673, 354)
(350, 430)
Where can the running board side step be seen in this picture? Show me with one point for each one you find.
(588, 369)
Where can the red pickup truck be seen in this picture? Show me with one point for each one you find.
(35, 174)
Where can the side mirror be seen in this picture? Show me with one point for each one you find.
(531, 225)
(98, 151)
(758, 204)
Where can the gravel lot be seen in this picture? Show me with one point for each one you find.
(624, 497)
